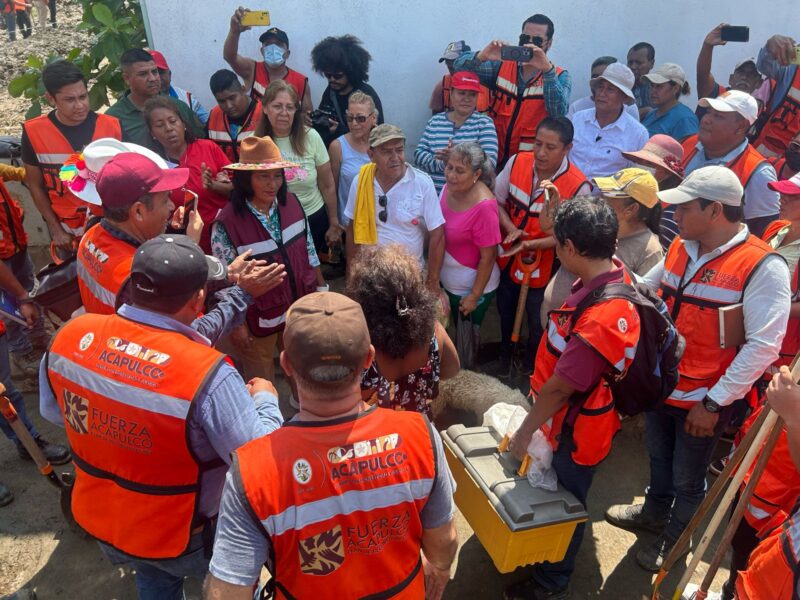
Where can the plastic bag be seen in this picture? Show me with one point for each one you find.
(504, 418)
(540, 472)
(467, 340)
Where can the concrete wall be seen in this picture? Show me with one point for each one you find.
(406, 38)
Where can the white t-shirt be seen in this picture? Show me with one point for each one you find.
(412, 206)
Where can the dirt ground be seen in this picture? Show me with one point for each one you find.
(38, 553)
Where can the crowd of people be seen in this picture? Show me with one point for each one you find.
(202, 239)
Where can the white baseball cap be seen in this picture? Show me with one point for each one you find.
(619, 76)
(667, 72)
(715, 183)
(733, 101)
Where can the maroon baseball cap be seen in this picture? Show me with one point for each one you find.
(464, 80)
(159, 59)
(129, 176)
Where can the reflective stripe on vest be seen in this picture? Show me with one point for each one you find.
(219, 130)
(106, 297)
(126, 390)
(693, 303)
(744, 165)
(269, 246)
(348, 516)
(104, 262)
(780, 126)
(298, 517)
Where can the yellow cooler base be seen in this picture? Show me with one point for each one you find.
(508, 549)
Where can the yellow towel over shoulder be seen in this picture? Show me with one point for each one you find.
(365, 229)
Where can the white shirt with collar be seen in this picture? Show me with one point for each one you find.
(766, 304)
(597, 151)
(412, 210)
(759, 200)
(501, 184)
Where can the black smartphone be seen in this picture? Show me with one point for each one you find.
(520, 54)
(189, 204)
(735, 33)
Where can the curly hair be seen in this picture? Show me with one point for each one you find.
(345, 54)
(400, 311)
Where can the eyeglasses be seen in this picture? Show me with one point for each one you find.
(337, 75)
(288, 108)
(357, 118)
(384, 214)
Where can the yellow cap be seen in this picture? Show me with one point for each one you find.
(630, 183)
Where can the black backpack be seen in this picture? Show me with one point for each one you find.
(653, 374)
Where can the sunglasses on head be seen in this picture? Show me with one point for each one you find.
(384, 214)
(357, 118)
(337, 75)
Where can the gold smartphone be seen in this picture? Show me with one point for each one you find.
(255, 18)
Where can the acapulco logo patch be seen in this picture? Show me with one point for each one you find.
(86, 341)
(301, 470)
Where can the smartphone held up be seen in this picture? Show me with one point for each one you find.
(255, 18)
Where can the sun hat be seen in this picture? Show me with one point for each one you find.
(260, 154)
(660, 151)
(80, 171)
(619, 76)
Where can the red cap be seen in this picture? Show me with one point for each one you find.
(159, 59)
(790, 187)
(464, 80)
(129, 176)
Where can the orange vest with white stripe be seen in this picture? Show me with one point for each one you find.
(791, 341)
(104, 262)
(524, 205)
(773, 569)
(783, 124)
(516, 111)
(484, 95)
(261, 81)
(743, 165)
(693, 303)
(13, 237)
(612, 329)
(126, 391)
(219, 130)
(348, 517)
(52, 149)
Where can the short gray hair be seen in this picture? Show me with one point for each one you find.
(474, 156)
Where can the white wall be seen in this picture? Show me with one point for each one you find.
(406, 38)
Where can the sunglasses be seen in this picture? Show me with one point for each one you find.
(384, 214)
(337, 75)
(357, 118)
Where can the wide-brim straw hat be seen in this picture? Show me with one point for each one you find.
(260, 154)
(660, 151)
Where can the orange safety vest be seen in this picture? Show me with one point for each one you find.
(348, 516)
(219, 130)
(126, 390)
(516, 112)
(791, 341)
(524, 205)
(261, 81)
(743, 165)
(783, 124)
(52, 149)
(611, 328)
(13, 238)
(773, 569)
(104, 262)
(484, 95)
(693, 304)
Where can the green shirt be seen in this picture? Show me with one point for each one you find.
(134, 128)
(315, 155)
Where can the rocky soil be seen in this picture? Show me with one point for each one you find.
(14, 54)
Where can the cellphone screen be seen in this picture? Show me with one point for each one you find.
(735, 33)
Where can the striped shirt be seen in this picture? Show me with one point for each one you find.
(440, 131)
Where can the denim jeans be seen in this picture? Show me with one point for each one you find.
(507, 298)
(19, 336)
(163, 579)
(13, 394)
(678, 465)
(11, 26)
(576, 479)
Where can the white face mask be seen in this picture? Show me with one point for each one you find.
(273, 55)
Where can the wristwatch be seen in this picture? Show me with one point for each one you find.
(710, 405)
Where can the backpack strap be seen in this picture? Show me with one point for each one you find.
(609, 291)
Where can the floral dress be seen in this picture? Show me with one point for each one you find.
(415, 391)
